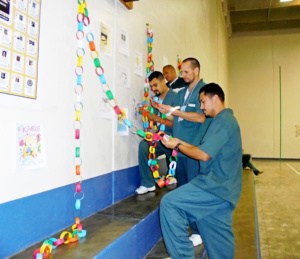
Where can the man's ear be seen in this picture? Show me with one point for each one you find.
(215, 98)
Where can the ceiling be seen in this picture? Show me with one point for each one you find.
(245, 16)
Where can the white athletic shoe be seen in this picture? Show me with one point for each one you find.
(196, 239)
(143, 189)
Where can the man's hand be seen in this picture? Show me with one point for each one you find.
(153, 104)
(163, 108)
(171, 143)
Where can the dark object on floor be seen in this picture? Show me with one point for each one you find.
(246, 160)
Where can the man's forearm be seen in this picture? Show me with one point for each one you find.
(190, 116)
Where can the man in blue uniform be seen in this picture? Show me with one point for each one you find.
(189, 122)
(167, 96)
(209, 199)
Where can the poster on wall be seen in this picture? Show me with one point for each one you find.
(123, 42)
(19, 41)
(122, 129)
(138, 63)
(124, 77)
(105, 39)
(105, 111)
(5, 10)
(30, 146)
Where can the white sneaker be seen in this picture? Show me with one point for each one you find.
(143, 189)
(196, 239)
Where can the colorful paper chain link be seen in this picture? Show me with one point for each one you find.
(148, 125)
(179, 62)
(65, 238)
(150, 63)
(153, 139)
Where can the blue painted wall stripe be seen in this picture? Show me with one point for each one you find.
(32, 219)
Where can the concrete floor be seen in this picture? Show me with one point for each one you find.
(278, 206)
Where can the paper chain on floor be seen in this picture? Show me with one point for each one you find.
(83, 22)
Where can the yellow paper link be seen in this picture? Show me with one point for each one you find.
(152, 150)
(77, 117)
(63, 234)
(74, 227)
(144, 118)
(81, 8)
(155, 174)
(123, 114)
(79, 61)
(46, 249)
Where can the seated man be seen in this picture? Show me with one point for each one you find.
(248, 164)
(209, 199)
(168, 96)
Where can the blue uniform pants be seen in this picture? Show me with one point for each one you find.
(187, 168)
(212, 215)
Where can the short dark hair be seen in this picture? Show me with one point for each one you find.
(194, 62)
(156, 74)
(170, 67)
(212, 89)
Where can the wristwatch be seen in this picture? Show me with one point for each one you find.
(177, 147)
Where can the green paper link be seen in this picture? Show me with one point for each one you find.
(151, 110)
(77, 151)
(109, 95)
(86, 12)
(97, 62)
(141, 133)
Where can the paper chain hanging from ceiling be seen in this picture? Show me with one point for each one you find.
(83, 22)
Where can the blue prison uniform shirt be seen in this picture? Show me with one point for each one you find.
(170, 99)
(188, 131)
(221, 175)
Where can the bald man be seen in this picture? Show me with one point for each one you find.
(173, 81)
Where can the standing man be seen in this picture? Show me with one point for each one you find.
(167, 96)
(209, 199)
(189, 122)
(173, 81)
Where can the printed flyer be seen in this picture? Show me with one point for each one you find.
(30, 146)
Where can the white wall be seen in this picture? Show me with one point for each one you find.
(268, 125)
(188, 28)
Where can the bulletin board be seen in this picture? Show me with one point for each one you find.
(19, 44)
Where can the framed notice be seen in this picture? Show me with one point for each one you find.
(19, 44)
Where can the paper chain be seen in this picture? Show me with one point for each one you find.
(179, 62)
(83, 22)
